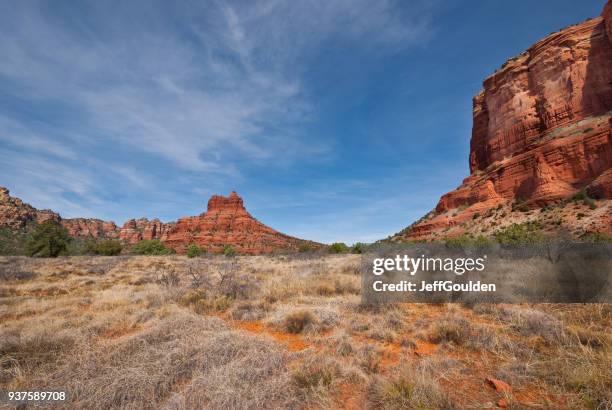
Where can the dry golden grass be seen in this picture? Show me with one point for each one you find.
(281, 332)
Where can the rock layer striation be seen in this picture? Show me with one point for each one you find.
(541, 129)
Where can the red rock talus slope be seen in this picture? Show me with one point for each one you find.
(226, 222)
(541, 131)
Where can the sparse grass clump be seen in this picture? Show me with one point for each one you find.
(451, 329)
(296, 322)
(412, 387)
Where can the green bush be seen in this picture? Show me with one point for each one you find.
(596, 237)
(48, 240)
(338, 247)
(520, 234)
(13, 242)
(228, 250)
(358, 248)
(108, 247)
(81, 246)
(151, 247)
(580, 195)
(520, 205)
(193, 251)
(304, 248)
(467, 240)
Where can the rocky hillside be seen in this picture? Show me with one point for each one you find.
(226, 222)
(541, 135)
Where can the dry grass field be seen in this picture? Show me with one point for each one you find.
(282, 332)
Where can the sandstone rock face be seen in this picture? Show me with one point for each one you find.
(93, 228)
(136, 230)
(542, 129)
(15, 214)
(227, 222)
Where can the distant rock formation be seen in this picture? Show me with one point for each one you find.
(226, 222)
(542, 130)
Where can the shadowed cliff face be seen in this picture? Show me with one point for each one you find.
(541, 129)
(226, 222)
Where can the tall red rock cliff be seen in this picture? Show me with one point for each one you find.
(226, 222)
(541, 130)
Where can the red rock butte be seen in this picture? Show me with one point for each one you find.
(226, 222)
(541, 129)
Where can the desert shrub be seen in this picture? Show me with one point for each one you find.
(295, 322)
(305, 248)
(467, 240)
(358, 248)
(151, 247)
(48, 240)
(13, 242)
(81, 246)
(451, 329)
(596, 237)
(108, 247)
(580, 195)
(338, 247)
(193, 251)
(249, 311)
(212, 304)
(520, 205)
(476, 215)
(344, 345)
(369, 358)
(199, 277)
(229, 251)
(520, 234)
(168, 279)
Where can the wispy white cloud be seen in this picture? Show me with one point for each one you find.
(208, 90)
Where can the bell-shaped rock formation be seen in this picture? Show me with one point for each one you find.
(227, 222)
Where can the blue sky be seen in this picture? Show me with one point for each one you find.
(334, 120)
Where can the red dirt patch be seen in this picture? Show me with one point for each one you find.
(119, 331)
(424, 348)
(294, 342)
